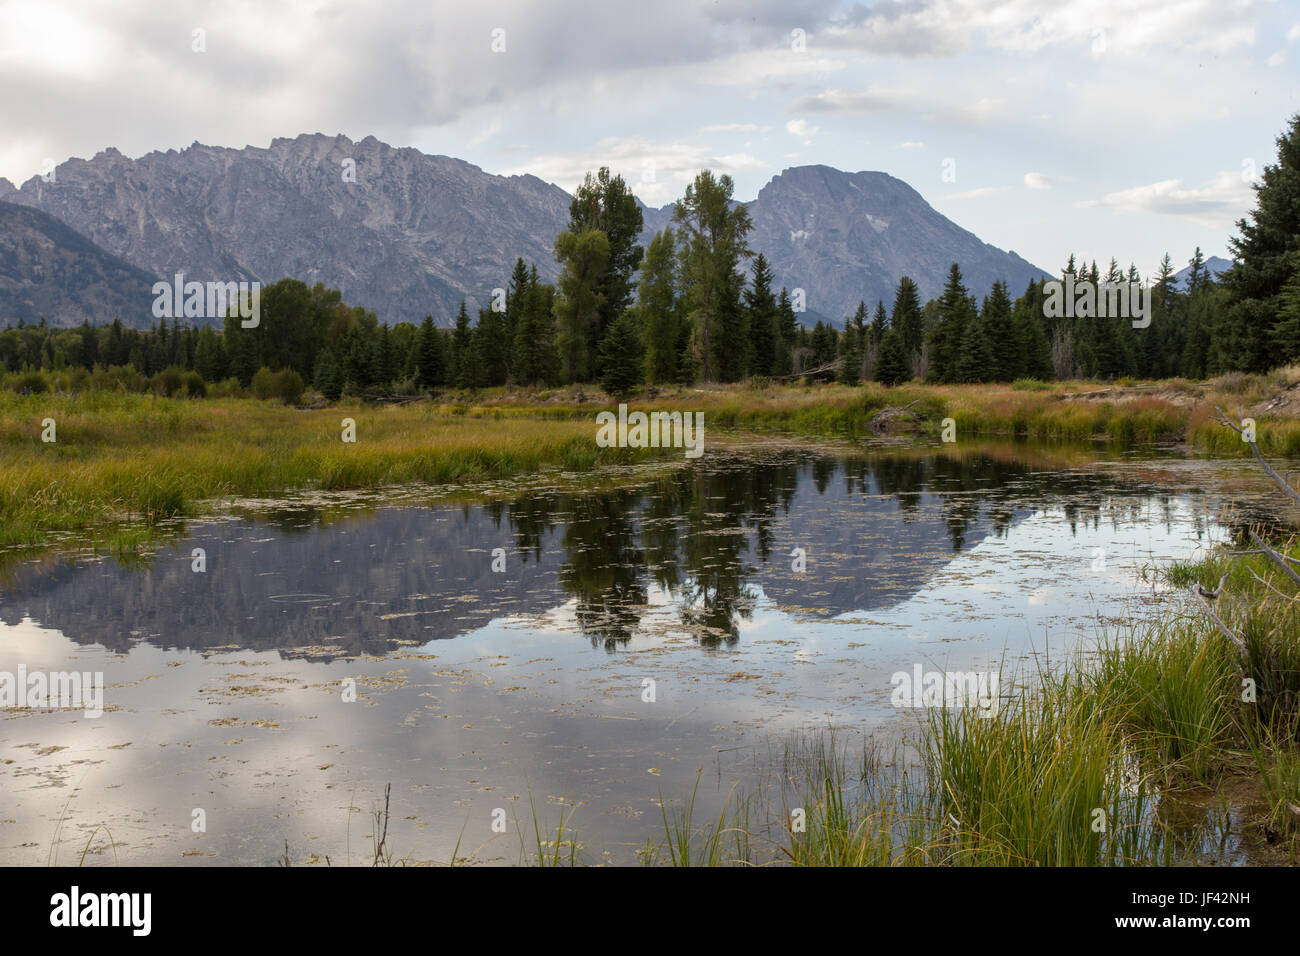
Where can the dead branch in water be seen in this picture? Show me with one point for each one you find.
(1268, 469)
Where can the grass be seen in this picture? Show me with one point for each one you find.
(1086, 764)
(124, 458)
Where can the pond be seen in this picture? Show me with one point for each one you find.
(555, 646)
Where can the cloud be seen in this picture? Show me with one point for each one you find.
(945, 28)
(733, 128)
(978, 193)
(656, 172)
(1277, 59)
(1037, 181)
(1216, 205)
(1294, 33)
(872, 100)
(911, 145)
(800, 128)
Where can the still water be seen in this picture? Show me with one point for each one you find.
(549, 648)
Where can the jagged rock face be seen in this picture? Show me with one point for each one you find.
(48, 270)
(412, 234)
(849, 237)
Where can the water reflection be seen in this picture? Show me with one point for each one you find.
(712, 537)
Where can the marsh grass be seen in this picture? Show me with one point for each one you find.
(127, 458)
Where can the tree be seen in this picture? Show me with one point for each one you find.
(328, 377)
(604, 203)
(430, 357)
(464, 356)
(893, 367)
(1264, 260)
(1005, 351)
(851, 349)
(657, 298)
(761, 306)
(536, 361)
(906, 319)
(622, 355)
(713, 244)
(945, 338)
(578, 304)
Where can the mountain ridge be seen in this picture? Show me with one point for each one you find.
(412, 233)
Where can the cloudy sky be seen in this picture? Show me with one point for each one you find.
(1104, 127)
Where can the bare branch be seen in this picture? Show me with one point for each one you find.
(1278, 479)
(1275, 557)
(1223, 628)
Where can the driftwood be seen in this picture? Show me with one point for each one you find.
(1268, 469)
(1281, 561)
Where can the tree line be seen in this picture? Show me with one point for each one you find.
(697, 305)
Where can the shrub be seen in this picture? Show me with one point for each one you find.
(286, 385)
(169, 381)
(31, 381)
(195, 387)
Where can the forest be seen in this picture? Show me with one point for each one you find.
(696, 305)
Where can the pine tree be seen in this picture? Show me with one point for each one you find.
(907, 320)
(430, 361)
(893, 367)
(761, 306)
(945, 338)
(1000, 336)
(975, 361)
(462, 350)
(1264, 263)
(328, 377)
(851, 351)
(622, 355)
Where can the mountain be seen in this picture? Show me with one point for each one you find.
(48, 270)
(1215, 265)
(412, 234)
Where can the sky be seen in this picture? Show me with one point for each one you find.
(1125, 128)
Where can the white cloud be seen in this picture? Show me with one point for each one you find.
(978, 193)
(871, 100)
(1294, 33)
(656, 172)
(1277, 59)
(1215, 205)
(1037, 181)
(911, 145)
(800, 128)
(942, 28)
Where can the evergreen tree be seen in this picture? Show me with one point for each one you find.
(906, 319)
(328, 377)
(945, 338)
(1264, 261)
(430, 358)
(761, 305)
(1005, 350)
(851, 349)
(622, 355)
(893, 367)
(464, 361)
